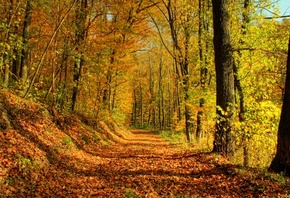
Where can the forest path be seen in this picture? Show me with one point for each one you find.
(147, 166)
(39, 158)
(144, 165)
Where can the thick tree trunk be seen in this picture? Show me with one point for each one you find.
(225, 98)
(281, 162)
(25, 37)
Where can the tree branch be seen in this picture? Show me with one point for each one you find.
(160, 35)
(278, 17)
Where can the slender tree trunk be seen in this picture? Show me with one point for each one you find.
(134, 109)
(185, 74)
(177, 100)
(225, 98)
(81, 16)
(161, 95)
(151, 116)
(6, 57)
(181, 58)
(141, 105)
(203, 70)
(16, 68)
(76, 79)
(238, 86)
(281, 161)
(63, 79)
(6, 75)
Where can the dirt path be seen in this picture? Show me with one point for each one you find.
(147, 166)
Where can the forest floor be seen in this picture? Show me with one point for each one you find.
(50, 156)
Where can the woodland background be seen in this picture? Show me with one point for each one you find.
(149, 64)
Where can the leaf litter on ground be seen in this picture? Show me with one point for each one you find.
(42, 158)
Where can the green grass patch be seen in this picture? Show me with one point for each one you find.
(130, 194)
(172, 137)
(66, 140)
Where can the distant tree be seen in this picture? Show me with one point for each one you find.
(203, 29)
(224, 62)
(281, 161)
(180, 31)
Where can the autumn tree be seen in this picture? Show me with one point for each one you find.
(238, 85)
(80, 34)
(178, 17)
(16, 27)
(203, 45)
(258, 77)
(281, 161)
(225, 98)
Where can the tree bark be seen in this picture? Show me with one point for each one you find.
(225, 98)
(281, 161)
(160, 95)
(80, 33)
(25, 37)
(238, 86)
(203, 26)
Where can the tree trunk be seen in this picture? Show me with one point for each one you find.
(180, 57)
(63, 79)
(134, 109)
(25, 37)
(79, 59)
(238, 86)
(76, 79)
(281, 162)
(185, 74)
(6, 75)
(141, 104)
(225, 99)
(203, 25)
(161, 95)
